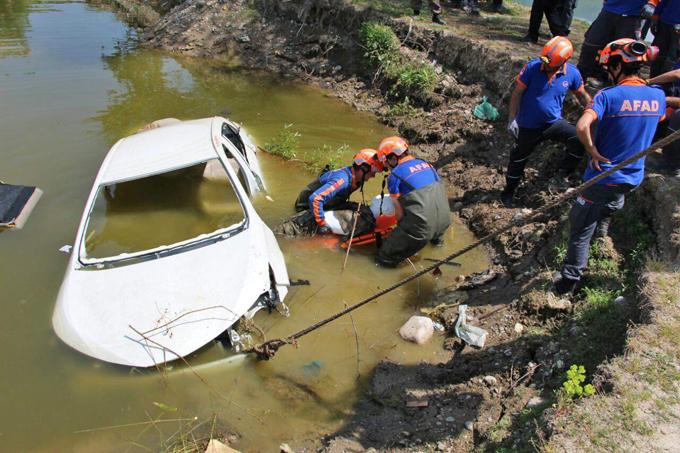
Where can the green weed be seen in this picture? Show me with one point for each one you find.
(319, 158)
(572, 387)
(403, 108)
(380, 43)
(285, 143)
(413, 77)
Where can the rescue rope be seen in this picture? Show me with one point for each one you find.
(267, 350)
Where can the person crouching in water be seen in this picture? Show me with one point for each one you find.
(420, 203)
(324, 205)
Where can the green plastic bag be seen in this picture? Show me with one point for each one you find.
(485, 111)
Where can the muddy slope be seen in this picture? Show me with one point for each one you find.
(499, 396)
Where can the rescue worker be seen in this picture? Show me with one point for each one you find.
(535, 110)
(626, 115)
(420, 203)
(435, 6)
(671, 82)
(617, 19)
(331, 192)
(559, 15)
(666, 36)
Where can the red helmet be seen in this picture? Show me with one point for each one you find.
(630, 51)
(368, 156)
(556, 52)
(391, 145)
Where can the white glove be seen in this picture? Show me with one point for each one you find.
(647, 11)
(513, 128)
(333, 223)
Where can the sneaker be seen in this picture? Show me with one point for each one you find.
(437, 19)
(562, 285)
(529, 38)
(508, 198)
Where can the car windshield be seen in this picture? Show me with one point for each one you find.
(161, 210)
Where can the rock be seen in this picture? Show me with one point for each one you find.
(559, 364)
(534, 402)
(469, 425)
(215, 446)
(418, 329)
(243, 38)
(490, 381)
(620, 300)
(450, 419)
(441, 446)
(457, 206)
(559, 304)
(519, 328)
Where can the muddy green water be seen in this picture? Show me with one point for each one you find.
(70, 86)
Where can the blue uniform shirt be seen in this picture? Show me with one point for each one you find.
(669, 12)
(334, 183)
(627, 116)
(409, 175)
(625, 7)
(543, 97)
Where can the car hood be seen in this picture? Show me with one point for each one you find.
(178, 302)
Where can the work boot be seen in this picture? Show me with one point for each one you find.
(437, 19)
(508, 197)
(562, 285)
(416, 12)
(529, 38)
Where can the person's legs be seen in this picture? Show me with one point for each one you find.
(416, 5)
(535, 19)
(666, 40)
(596, 203)
(671, 153)
(559, 17)
(564, 132)
(599, 34)
(398, 246)
(527, 141)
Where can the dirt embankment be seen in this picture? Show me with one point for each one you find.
(502, 396)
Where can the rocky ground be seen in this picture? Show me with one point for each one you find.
(504, 395)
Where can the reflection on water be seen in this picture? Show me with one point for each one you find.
(161, 210)
(83, 93)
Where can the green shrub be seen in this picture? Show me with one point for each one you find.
(418, 78)
(285, 144)
(381, 46)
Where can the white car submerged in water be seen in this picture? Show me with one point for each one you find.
(170, 252)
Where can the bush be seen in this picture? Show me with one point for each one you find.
(285, 143)
(326, 155)
(417, 78)
(381, 46)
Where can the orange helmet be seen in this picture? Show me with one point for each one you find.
(556, 52)
(630, 51)
(391, 145)
(368, 156)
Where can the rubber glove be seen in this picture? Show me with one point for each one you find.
(333, 223)
(513, 128)
(648, 11)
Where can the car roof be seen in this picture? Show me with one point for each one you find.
(159, 150)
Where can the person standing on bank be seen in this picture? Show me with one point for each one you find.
(535, 111)
(435, 6)
(420, 203)
(627, 115)
(558, 13)
(666, 36)
(617, 19)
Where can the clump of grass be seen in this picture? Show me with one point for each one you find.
(380, 43)
(285, 143)
(402, 108)
(407, 77)
(326, 155)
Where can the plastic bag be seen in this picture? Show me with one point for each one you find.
(474, 336)
(485, 111)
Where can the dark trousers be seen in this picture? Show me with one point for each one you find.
(560, 131)
(559, 14)
(597, 203)
(606, 28)
(435, 6)
(671, 153)
(666, 39)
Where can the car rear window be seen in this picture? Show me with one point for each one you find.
(161, 210)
